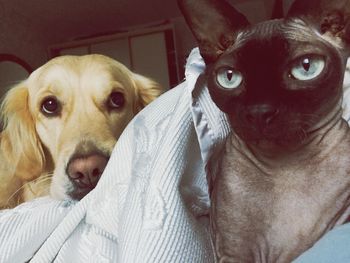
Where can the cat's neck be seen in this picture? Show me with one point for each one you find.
(319, 142)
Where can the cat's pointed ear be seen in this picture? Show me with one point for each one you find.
(330, 17)
(213, 23)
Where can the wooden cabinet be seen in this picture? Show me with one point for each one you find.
(148, 51)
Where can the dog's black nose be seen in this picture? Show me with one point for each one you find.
(85, 172)
(262, 114)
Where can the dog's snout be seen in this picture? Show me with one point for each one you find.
(85, 172)
(261, 114)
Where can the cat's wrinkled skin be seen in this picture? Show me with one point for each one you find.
(283, 177)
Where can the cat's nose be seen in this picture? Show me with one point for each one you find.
(261, 114)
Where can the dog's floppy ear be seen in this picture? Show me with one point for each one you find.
(19, 141)
(213, 23)
(327, 17)
(146, 90)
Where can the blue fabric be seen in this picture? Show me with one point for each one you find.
(334, 247)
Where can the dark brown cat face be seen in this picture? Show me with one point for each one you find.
(277, 80)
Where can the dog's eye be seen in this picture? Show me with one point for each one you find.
(50, 106)
(116, 100)
(229, 78)
(308, 68)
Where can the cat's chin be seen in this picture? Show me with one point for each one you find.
(275, 145)
(274, 136)
(272, 149)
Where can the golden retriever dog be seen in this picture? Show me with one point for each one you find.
(61, 124)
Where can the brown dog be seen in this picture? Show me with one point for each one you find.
(283, 179)
(62, 123)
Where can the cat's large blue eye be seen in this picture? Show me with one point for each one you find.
(229, 78)
(308, 68)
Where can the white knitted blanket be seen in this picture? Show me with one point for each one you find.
(151, 204)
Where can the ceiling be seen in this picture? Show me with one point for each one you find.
(65, 19)
(68, 18)
(29, 27)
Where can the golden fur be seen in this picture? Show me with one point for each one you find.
(35, 148)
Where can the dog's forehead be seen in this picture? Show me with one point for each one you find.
(71, 72)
